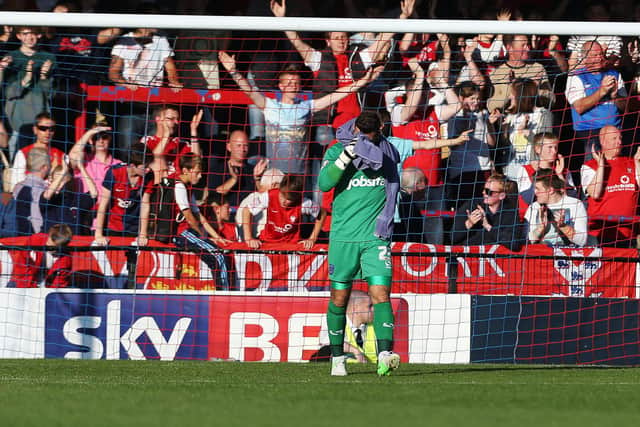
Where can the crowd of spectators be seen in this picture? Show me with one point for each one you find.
(504, 139)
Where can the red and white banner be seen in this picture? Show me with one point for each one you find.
(280, 328)
(418, 268)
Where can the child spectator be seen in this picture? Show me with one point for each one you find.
(524, 119)
(220, 217)
(92, 152)
(50, 268)
(285, 207)
(555, 218)
(545, 156)
(271, 179)
(121, 195)
(192, 226)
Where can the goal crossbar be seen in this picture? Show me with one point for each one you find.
(261, 23)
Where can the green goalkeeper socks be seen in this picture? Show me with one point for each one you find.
(336, 322)
(383, 325)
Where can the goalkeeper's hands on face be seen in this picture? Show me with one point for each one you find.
(347, 155)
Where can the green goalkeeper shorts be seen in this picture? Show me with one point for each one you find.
(359, 260)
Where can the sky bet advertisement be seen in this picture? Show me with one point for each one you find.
(140, 326)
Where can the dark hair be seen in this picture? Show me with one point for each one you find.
(291, 187)
(19, 28)
(44, 115)
(218, 199)
(368, 121)
(70, 5)
(550, 180)
(101, 135)
(385, 118)
(61, 234)
(189, 161)
(466, 89)
(507, 39)
(139, 154)
(526, 94)
(292, 69)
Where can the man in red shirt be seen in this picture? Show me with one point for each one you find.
(612, 183)
(165, 145)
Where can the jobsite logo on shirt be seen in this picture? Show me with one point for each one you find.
(361, 181)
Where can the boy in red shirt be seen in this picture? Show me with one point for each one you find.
(49, 268)
(284, 208)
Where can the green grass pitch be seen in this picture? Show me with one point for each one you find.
(127, 393)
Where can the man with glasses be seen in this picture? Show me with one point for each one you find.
(490, 220)
(44, 130)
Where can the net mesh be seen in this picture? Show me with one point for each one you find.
(518, 192)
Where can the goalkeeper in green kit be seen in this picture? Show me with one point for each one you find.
(362, 169)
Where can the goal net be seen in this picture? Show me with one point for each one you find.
(162, 186)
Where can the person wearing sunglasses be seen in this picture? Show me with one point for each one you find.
(44, 130)
(490, 220)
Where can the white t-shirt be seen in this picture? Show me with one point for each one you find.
(252, 202)
(261, 203)
(183, 200)
(316, 59)
(575, 215)
(143, 65)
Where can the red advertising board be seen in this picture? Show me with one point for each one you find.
(279, 328)
(418, 268)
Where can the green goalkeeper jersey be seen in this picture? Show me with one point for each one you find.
(358, 199)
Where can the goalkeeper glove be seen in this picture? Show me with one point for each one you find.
(347, 155)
